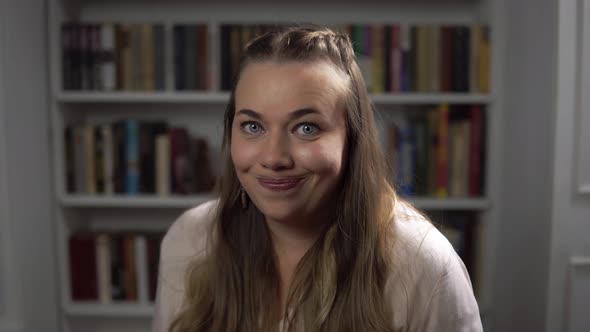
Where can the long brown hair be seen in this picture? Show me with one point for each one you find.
(339, 283)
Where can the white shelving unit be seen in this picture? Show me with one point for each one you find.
(202, 113)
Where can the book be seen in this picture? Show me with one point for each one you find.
(98, 160)
(69, 162)
(483, 51)
(163, 165)
(67, 56)
(120, 157)
(141, 269)
(203, 176)
(180, 161)
(103, 258)
(407, 63)
(159, 57)
(132, 157)
(130, 267)
(442, 171)
(446, 64)
(118, 291)
(83, 266)
(179, 33)
(433, 117)
(107, 57)
(89, 159)
(476, 151)
(147, 56)
(108, 158)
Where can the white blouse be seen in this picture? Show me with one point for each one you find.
(430, 288)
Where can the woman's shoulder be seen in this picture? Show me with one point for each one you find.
(187, 236)
(185, 241)
(418, 241)
(428, 278)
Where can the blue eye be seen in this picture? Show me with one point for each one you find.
(251, 127)
(307, 129)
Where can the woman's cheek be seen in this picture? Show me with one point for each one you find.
(243, 154)
(323, 157)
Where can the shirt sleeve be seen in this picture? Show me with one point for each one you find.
(452, 305)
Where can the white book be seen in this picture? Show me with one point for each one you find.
(141, 269)
(107, 48)
(163, 165)
(103, 261)
(108, 158)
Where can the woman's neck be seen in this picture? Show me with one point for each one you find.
(291, 243)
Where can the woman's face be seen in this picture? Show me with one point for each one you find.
(288, 137)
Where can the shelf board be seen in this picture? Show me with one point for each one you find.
(222, 97)
(428, 203)
(113, 310)
(131, 310)
(142, 97)
(139, 201)
(145, 201)
(431, 98)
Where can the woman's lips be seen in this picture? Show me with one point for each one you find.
(282, 184)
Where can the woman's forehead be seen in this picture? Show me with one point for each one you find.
(270, 85)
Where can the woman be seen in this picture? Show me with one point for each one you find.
(307, 234)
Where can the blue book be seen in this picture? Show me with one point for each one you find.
(407, 161)
(132, 178)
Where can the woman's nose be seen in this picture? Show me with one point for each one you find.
(276, 154)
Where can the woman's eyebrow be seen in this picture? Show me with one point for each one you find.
(250, 113)
(293, 115)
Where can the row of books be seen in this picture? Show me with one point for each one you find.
(440, 152)
(109, 267)
(107, 56)
(397, 57)
(393, 58)
(131, 157)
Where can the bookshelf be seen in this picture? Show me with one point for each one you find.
(201, 112)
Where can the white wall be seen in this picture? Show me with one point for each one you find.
(522, 255)
(570, 232)
(27, 255)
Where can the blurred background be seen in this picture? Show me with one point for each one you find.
(111, 121)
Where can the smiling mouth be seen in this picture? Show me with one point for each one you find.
(282, 184)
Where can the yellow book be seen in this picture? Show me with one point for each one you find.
(484, 59)
(147, 57)
(378, 63)
(474, 41)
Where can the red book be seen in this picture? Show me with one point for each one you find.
(446, 55)
(396, 59)
(180, 161)
(442, 185)
(475, 148)
(130, 267)
(83, 273)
